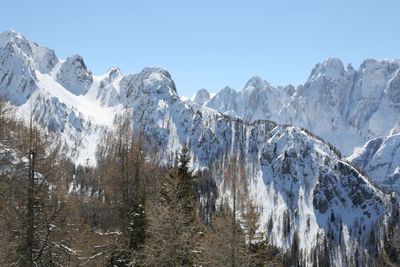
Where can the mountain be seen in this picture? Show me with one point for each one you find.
(303, 187)
(346, 107)
(380, 159)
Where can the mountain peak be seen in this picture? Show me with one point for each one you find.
(76, 59)
(147, 71)
(158, 75)
(113, 69)
(333, 61)
(389, 65)
(228, 89)
(17, 40)
(254, 82)
(42, 58)
(331, 68)
(9, 36)
(202, 96)
(74, 75)
(112, 73)
(151, 81)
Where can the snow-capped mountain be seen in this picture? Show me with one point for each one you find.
(346, 107)
(301, 184)
(380, 159)
(258, 100)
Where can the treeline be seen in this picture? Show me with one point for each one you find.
(127, 211)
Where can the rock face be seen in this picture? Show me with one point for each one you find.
(74, 76)
(256, 101)
(20, 58)
(299, 181)
(17, 77)
(346, 107)
(380, 159)
(202, 96)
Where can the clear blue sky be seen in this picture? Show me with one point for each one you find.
(208, 43)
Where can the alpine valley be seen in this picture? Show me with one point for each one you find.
(321, 160)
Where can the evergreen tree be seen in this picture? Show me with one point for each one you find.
(260, 253)
(173, 225)
(185, 183)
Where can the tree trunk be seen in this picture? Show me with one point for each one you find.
(30, 202)
(233, 245)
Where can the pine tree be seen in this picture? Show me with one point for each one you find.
(173, 225)
(216, 245)
(251, 218)
(260, 253)
(185, 183)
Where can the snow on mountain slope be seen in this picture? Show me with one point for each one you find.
(303, 187)
(321, 195)
(63, 95)
(299, 181)
(41, 58)
(345, 106)
(380, 159)
(17, 70)
(256, 101)
(69, 100)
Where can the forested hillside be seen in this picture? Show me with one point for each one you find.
(128, 211)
